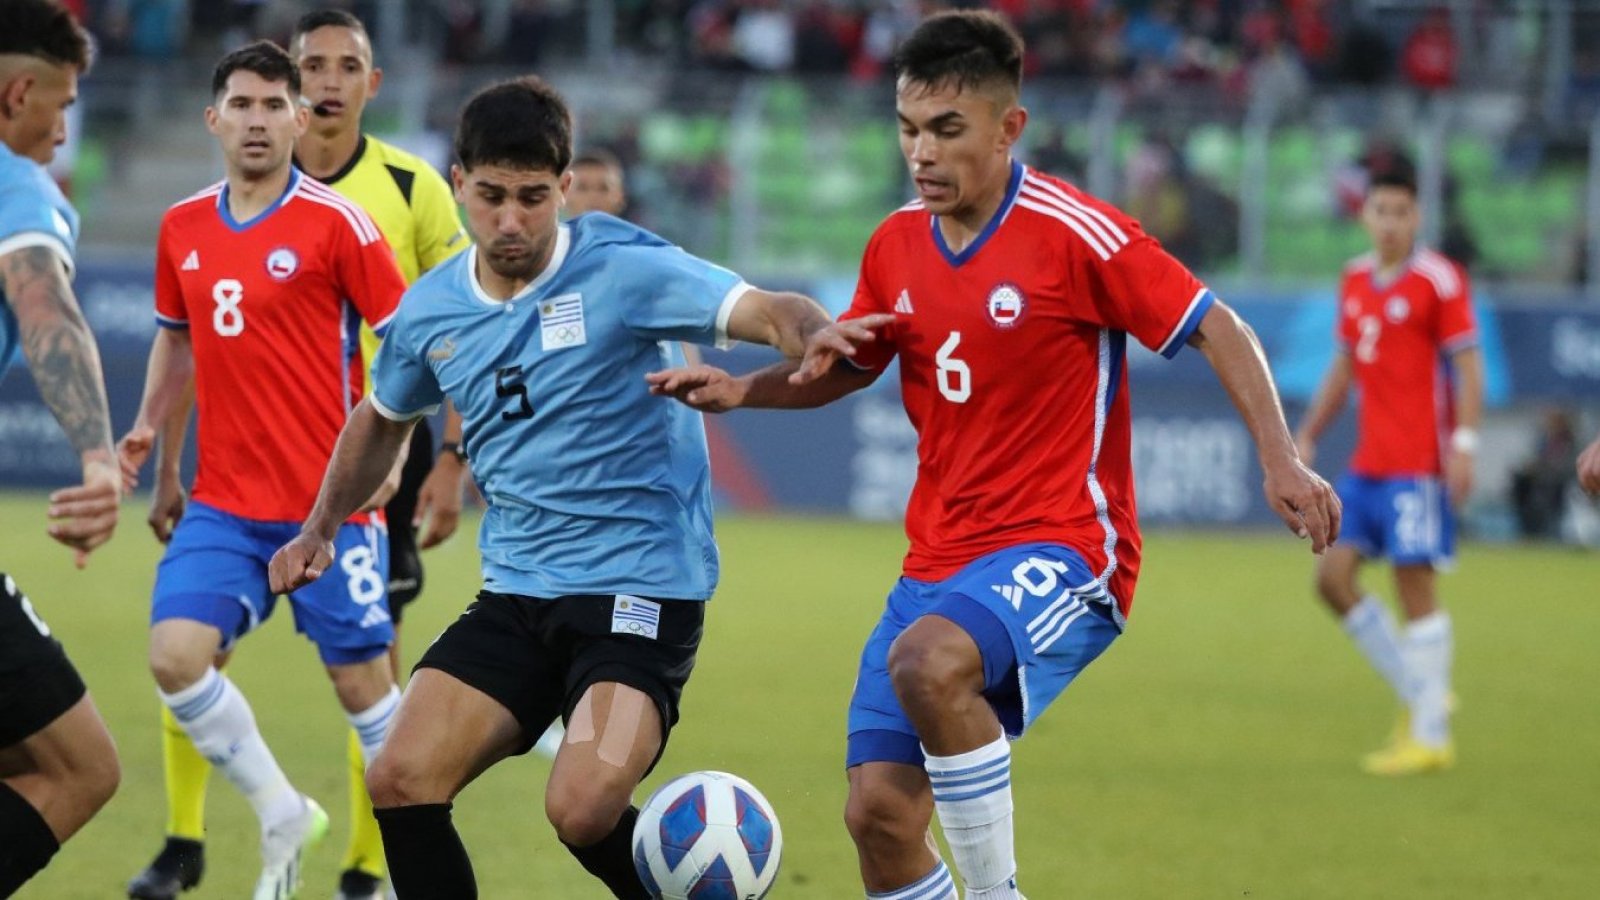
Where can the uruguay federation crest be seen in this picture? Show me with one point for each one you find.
(1006, 305)
(282, 263)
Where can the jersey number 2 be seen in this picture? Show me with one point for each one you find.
(508, 383)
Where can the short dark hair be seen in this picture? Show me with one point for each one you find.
(1402, 177)
(964, 48)
(597, 156)
(46, 30)
(522, 123)
(327, 18)
(264, 58)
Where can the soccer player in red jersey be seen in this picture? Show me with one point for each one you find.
(261, 283)
(1403, 311)
(1008, 296)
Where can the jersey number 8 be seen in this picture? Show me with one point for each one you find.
(227, 318)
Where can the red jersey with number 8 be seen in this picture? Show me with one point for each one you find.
(1398, 334)
(272, 307)
(1012, 372)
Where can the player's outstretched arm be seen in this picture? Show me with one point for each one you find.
(710, 389)
(367, 449)
(1589, 467)
(1325, 407)
(65, 362)
(168, 381)
(1305, 502)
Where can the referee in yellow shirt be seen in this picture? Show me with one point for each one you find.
(414, 207)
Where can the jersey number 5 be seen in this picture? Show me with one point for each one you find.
(955, 378)
(508, 383)
(227, 318)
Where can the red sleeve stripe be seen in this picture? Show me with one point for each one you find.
(1441, 273)
(1072, 202)
(359, 221)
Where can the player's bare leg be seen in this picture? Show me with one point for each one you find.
(614, 736)
(888, 812)
(444, 735)
(219, 721)
(937, 672)
(1427, 646)
(57, 777)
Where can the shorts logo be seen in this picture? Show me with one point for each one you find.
(635, 615)
(561, 322)
(1396, 309)
(282, 263)
(1006, 305)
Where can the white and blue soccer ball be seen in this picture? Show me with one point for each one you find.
(707, 836)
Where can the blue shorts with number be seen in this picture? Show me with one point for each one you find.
(1407, 519)
(215, 571)
(1038, 614)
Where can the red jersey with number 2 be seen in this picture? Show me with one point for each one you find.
(272, 307)
(1012, 371)
(1398, 334)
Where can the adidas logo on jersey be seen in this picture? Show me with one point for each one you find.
(191, 263)
(1011, 592)
(903, 305)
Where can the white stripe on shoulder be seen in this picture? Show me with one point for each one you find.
(354, 221)
(1441, 272)
(1111, 241)
(1361, 263)
(1088, 236)
(361, 221)
(204, 194)
(1071, 201)
(909, 207)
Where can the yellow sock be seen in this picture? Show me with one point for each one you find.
(366, 843)
(187, 775)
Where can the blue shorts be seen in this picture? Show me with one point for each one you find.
(1038, 614)
(215, 571)
(1407, 520)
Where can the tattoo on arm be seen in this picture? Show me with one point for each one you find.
(60, 349)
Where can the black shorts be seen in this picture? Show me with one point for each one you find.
(37, 681)
(405, 562)
(536, 657)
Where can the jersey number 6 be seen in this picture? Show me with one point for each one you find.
(955, 378)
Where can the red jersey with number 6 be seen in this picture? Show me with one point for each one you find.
(1398, 334)
(1012, 371)
(272, 307)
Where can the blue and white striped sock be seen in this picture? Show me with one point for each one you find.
(936, 885)
(219, 722)
(972, 794)
(372, 723)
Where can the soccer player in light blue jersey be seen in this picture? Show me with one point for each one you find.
(597, 543)
(58, 766)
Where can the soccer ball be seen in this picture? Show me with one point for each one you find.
(707, 836)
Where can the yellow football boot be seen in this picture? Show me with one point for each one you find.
(1409, 757)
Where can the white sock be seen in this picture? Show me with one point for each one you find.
(372, 723)
(972, 794)
(1369, 625)
(1428, 647)
(936, 885)
(219, 722)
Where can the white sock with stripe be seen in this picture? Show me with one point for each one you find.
(372, 723)
(1428, 647)
(219, 722)
(936, 885)
(1368, 623)
(972, 794)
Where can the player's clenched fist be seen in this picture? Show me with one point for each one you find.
(132, 451)
(299, 562)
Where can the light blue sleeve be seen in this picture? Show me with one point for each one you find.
(29, 219)
(403, 385)
(676, 296)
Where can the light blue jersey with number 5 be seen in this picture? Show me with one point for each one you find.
(33, 213)
(594, 486)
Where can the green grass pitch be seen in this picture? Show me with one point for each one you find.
(1211, 753)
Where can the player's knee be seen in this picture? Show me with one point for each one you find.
(879, 820)
(583, 814)
(926, 665)
(394, 780)
(98, 780)
(175, 668)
